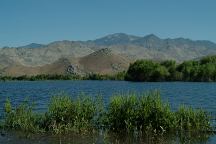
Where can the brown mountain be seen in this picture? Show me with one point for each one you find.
(90, 56)
(104, 61)
(58, 67)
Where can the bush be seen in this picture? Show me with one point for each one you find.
(192, 70)
(146, 70)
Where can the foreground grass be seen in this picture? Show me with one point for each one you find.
(124, 113)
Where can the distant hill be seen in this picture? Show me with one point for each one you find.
(90, 56)
(153, 47)
(116, 39)
(32, 45)
(58, 67)
(47, 54)
(104, 61)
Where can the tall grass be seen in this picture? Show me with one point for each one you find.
(60, 114)
(129, 113)
(77, 115)
(190, 119)
(21, 118)
(144, 113)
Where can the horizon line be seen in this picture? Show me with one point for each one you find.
(61, 40)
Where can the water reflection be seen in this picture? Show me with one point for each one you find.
(105, 138)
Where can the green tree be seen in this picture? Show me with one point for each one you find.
(208, 59)
(207, 72)
(189, 70)
(171, 67)
(146, 70)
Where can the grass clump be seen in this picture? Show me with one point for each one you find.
(154, 114)
(59, 115)
(143, 113)
(191, 119)
(149, 114)
(21, 118)
(85, 112)
(76, 115)
(130, 113)
(121, 113)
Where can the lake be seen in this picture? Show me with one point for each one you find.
(195, 94)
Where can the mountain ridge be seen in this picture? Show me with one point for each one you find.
(130, 36)
(127, 47)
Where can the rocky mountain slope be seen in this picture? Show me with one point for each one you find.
(108, 54)
(104, 61)
(58, 67)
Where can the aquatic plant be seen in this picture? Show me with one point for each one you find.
(131, 113)
(21, 118)
(77, 115)
(140, 113)
(60, 114)
(192, 119)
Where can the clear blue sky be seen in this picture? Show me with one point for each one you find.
(44, 21)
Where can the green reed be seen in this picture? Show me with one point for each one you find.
(129, 113)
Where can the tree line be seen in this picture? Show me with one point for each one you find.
(41, 77)
(203, 70)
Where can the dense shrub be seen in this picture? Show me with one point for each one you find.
(146, 70)
(193, 70)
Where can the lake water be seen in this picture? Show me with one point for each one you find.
(197, 95)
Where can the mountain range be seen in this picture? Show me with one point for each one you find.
(106, 55)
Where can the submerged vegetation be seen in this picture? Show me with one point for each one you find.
(130, 113)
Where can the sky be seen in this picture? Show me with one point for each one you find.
(44, 21)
